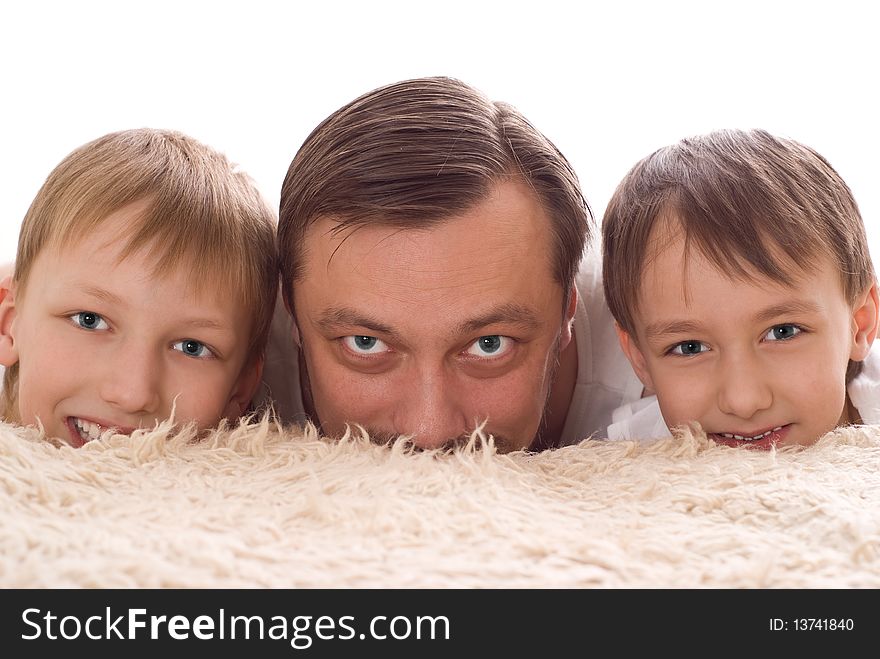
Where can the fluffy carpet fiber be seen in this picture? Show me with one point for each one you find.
(260, 506)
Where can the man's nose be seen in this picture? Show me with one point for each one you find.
(430, 414)
(743, 388)
(131, 383)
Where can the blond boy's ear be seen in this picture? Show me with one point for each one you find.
(8, 349)
(245, 389)
(865, 319)
(634, 355)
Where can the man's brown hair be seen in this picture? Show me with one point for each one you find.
(414, 153)
(749, 201)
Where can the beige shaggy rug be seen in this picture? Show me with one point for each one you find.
(258, 506)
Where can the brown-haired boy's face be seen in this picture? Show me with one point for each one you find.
(430, 332)
(754, 361)
(101, 343)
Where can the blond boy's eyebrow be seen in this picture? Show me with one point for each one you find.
(791, 308)
(661, 329)
(204, 323)
(106, 296)
(103, 295)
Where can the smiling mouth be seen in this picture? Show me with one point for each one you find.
(87, 430)
(746, 438)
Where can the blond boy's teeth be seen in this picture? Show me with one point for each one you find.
(87, 430)
(749, 439)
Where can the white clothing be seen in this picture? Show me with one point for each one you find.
(605, 380)
(864, 390)
(643, 420)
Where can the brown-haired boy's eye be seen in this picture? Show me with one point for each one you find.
(783, 332)
(688, 348)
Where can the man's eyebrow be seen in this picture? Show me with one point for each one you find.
(509, 314)
(514, 314)
(665, 328)
(334, 317)
(793, 307)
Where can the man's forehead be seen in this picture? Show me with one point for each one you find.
(510, 207)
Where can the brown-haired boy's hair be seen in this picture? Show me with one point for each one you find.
(750, 202)
(414, 153)
(203, 214)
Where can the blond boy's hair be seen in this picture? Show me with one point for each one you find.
(202, 213)
(749, 201)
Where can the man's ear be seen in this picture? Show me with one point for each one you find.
(245, 388)
(8, 348)
(570, 311)
(865, 315)
(634, 355)
(291, 314)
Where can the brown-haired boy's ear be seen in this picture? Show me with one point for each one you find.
(865, 315)
(8, 349)
(245, 388)
(634, 355)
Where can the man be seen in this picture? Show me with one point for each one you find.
(430, 245)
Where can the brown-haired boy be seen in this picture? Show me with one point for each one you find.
(144, 282)
(737, 268)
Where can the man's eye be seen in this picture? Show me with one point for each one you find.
(364, 345)
(492, 345)
(688, 348)
(89, 320)
(192, 348)
(782, 332)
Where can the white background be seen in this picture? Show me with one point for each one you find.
(607, 82)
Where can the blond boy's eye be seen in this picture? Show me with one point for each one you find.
(782, 332)
(192, 348)
(89, 320)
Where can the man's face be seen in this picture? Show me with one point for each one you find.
(101, 343)
(430, 332)
(755, 361)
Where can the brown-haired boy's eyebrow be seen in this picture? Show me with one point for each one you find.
(668, 328)
(791, 308)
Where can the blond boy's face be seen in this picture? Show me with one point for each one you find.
(755, 361)
(102, 343)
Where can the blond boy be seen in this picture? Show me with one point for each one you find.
(144, 283)
(737, 269)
